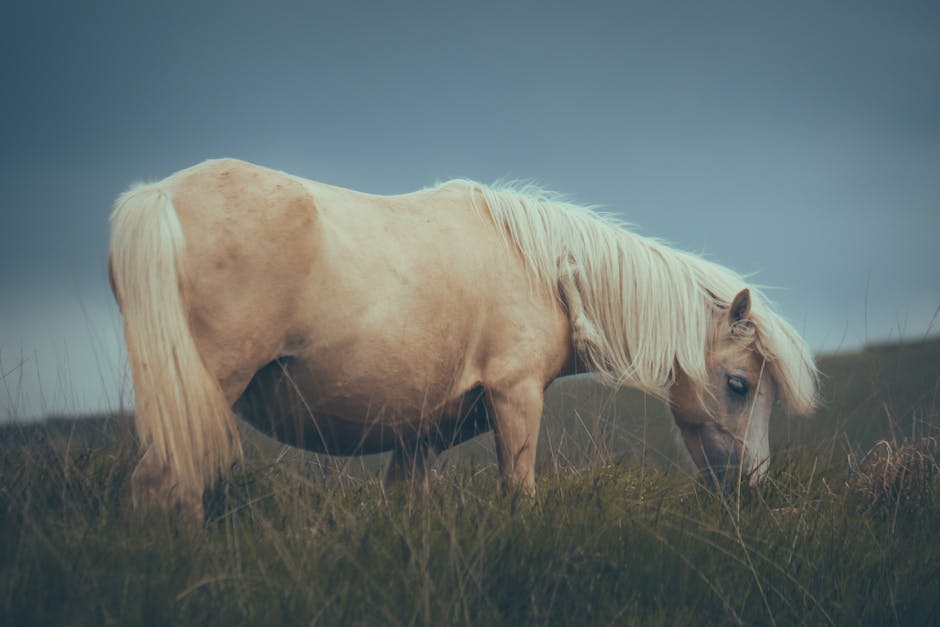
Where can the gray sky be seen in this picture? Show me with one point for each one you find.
(796, 140)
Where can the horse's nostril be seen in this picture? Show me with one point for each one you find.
(758, 474)
(728, 473)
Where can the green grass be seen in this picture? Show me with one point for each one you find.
(618, 533)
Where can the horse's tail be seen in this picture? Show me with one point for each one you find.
(181, 416)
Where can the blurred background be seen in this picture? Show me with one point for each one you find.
(798, 141)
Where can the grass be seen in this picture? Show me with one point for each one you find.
(842, 534)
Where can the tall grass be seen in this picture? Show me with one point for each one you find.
(839, 535)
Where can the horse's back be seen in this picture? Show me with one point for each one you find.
(394, 306)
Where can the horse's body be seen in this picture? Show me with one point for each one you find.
(350, 323)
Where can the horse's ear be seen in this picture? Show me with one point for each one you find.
(741, 306)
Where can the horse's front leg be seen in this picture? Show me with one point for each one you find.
(517, 414)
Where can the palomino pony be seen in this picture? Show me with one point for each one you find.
(349, 323)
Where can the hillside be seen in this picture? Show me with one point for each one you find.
(835, 537)
(885, 392)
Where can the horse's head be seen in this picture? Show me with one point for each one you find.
(724, 420)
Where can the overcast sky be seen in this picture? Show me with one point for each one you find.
(796, 140)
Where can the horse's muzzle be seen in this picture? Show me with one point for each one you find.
(719, 457)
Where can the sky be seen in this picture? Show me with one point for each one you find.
(798, 141)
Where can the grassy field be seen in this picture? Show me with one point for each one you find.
(843, 533)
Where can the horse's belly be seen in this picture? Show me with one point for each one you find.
(318, 410)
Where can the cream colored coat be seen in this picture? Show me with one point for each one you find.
(350, 323)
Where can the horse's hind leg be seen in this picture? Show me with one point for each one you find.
(409, 462)
(153, 484)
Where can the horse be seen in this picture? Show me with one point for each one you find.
(349, 323)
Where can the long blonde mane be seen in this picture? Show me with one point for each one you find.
(655, 307)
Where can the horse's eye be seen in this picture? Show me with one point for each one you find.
(737, 385)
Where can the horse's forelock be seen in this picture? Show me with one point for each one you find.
(790, 361)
